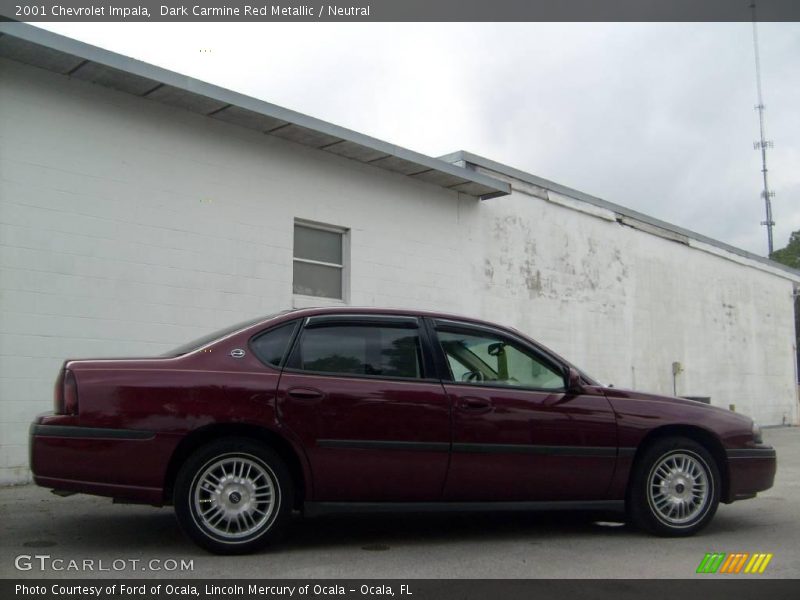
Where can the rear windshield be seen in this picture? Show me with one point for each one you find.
(220, 333)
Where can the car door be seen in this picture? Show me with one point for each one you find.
(518, 434)
(360, 393)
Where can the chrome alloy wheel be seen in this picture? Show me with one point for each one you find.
(679, 488)
(235, 496)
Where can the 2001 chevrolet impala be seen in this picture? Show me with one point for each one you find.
(325, 409)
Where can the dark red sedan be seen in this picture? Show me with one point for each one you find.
(367, 409)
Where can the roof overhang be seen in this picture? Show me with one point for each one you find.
(30, 45)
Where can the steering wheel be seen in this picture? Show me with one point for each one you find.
(473, 376)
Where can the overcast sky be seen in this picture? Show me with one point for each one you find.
(657, 117)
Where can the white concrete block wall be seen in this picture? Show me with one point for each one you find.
(625, 305)
(128, 227)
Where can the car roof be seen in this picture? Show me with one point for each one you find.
(372, 310)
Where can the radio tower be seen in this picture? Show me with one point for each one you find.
(763, 143)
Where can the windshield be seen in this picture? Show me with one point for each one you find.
(220, 333)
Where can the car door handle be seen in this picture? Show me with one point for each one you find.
(305, 393)
(475, 404)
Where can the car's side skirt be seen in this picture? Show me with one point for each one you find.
(313, 509)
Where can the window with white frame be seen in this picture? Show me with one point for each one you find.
(319, 260)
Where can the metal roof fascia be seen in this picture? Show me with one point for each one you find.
(136, 67)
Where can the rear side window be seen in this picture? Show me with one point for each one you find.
(371, 350)
(271, 346)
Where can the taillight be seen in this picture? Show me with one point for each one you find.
(65, 394)
(70, 393)
(58, 394)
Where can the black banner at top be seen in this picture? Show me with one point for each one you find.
(400, 10)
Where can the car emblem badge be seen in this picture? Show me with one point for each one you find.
(237, 353)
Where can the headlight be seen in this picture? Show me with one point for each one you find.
(757, 434)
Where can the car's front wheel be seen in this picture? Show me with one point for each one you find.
(675, 487)
(233, 496)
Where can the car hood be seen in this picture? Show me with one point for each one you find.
(613, 392)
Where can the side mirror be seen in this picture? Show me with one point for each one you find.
(574, 385)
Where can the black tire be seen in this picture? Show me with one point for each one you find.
(674, 489)
(248, 491)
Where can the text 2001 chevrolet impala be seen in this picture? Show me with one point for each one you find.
(324, 409)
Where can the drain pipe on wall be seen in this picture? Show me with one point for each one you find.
(677, 369)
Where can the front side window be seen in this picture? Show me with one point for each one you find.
(377, 351)
(485, 358)
(319, 261)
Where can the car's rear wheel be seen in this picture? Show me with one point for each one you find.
(233, 496)
(675, 487)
